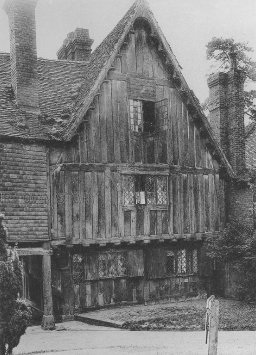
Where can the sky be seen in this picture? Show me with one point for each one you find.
(187, 24)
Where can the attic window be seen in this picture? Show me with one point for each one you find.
(148, 116)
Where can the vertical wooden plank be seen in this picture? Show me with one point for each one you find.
(201, 203)
(133, 223)
(191, 204)
(124, 60)
(169, 127)
(222, 204)
(109, 121)
(198, 149)
(171, 203)
(103, 121)
(68, 207)
(153, 222)
(75, 205)
(217, 202)
(196, 202)
(127, 223)
(131, 54)
(191, 142)
(147, 66)
(101, 206)
(180, 203)
(54, 205)
(118, 64)
(140, 221)
(95, 206)
(82, 206)
(90, 137)
(180, 129)
(114, 205)
(146, 221)
(186, 216)
(83, 143)
(207, 202)
(123, 121)
(120, 206)
(116, 127)
(175, 142)
(88, 204)
(97, 138)
(211, 202)
(185, 135)
(139, 50)
(159, 223)
(108, 202)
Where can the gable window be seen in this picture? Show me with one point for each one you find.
(148, 116)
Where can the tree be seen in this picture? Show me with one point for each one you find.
(14, 314)
(220, 51)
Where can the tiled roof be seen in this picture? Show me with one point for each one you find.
(59, 82)
(67, 88)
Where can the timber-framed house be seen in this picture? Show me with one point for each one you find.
(111, 176)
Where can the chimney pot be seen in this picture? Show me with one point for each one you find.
(77, 46)
(23, 52)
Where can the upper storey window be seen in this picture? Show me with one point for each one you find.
(148, 116)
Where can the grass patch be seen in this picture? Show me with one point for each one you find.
(184, 315)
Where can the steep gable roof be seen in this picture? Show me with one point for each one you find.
(67, 89)
(102, 60)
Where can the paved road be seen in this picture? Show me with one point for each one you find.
(74, 338)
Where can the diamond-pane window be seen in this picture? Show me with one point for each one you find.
(170, 263)
(181, 261)
(78, 269)
(150, 188)
(128, 190)
(161, 190)
(195, 261)
(136, 115)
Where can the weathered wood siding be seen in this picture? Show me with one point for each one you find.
(89, 205)
(24, 191)
(87, 195)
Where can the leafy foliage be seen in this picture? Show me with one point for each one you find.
(220, 51)
(15, 314)
(237, 245)
(16, 327)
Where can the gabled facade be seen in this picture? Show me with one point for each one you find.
(111, 172)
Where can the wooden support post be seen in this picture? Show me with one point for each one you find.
(212, 324)
(48, 319)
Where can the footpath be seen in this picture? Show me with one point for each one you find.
(76, 338)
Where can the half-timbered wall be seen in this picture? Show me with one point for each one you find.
(89, 188)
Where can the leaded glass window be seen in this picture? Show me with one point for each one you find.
(136, 115)
(181, 261)
(128, 190)
(78, 269)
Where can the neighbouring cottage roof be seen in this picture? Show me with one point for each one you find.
(67, 88)
(59, 82)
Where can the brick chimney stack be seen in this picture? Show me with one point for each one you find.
(77, 46)
(23, 52)
(226, 113)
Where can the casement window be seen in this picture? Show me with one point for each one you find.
(148, 116)
(144, 190)
(182, 261)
